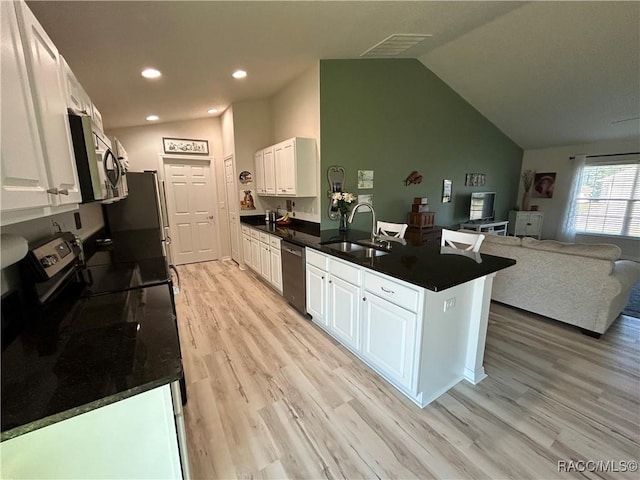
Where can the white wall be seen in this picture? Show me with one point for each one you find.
(295, 112)
(557, 160)
(251, 131)
(144, 145)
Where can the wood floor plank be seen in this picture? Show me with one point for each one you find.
(270, 395)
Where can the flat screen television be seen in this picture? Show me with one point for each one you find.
(481, 207)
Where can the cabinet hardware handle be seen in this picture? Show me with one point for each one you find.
(53, 191)
(387, 291)
(322, 278)
(330, 281)
(64, 191)
(364, 299)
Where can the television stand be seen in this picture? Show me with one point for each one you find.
(490, 227)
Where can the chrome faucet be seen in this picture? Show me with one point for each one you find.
(374, 224)
(376, 239)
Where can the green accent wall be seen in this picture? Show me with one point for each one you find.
(396, 116)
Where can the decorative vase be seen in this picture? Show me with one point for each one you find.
(525, 201)
(344, 223)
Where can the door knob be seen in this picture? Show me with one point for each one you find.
(210, 217)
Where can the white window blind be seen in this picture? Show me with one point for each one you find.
(608, 202)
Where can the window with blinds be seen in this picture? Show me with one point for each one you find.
(608, 202)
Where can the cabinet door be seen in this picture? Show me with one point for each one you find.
(24, 175)
(285, 168)
(269, 172)
(96, 116)
(265, 261)
(389, 339)
(255, 254)
(246, 250)
(317, 295)
(260, 183)
(43, 64)
(344, 312)
(276, 269)
(534, 225)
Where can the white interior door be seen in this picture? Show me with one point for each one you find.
(191, 208)
(232, 208)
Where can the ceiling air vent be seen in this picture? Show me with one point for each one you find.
(395, 44)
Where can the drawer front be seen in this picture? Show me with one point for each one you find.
(384, 287)
(245, 229)
(346, 271)
(317, 259)
(274, 242)
(254, 234)
(264, 237)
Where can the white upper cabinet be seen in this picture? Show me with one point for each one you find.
(43, 67)
(288, 169)
(259, 159)
(96, 116)
(24, 176)
(75, 95)
(269, 171)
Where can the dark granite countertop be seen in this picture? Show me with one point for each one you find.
(109, 335)
(429, 266)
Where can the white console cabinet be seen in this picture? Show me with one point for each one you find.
(525, 224)
(490, 227)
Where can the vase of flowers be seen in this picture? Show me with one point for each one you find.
(343, 201)
(527, 181)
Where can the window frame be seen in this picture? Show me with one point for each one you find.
(634, 198)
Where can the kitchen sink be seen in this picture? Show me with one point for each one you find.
(369, 252)
(356, 250)
(346, 247)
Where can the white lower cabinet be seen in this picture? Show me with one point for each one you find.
(317, 296)
(344, 312)
(265, 262)
(246, 250)
(389, 339)
(276, 268)
(376, 317)
(262, 254)
(133, 438)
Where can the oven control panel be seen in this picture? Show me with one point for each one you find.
(53, 255)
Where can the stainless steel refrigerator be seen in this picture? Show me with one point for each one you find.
(142, 215)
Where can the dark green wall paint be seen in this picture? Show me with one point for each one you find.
(396, 116)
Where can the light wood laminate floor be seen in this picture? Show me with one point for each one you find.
(272, 396)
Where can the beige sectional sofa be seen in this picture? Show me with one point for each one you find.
(586, 285)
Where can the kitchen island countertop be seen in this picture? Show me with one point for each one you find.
(429, 266)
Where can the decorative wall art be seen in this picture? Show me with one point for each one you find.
(185, 146)
(247, 202)
(365, 179)
(245, 177)
(446, 191)
(543, 185)
(475, 179)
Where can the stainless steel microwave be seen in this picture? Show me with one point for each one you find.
(100, 173)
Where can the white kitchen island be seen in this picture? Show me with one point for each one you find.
(421, 341)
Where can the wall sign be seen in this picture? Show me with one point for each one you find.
(185, 146)
(245, 177)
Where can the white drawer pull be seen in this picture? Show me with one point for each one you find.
(387, 291)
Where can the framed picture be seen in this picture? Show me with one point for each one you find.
(446, 191)
(543, 184)
(365, 179)
(185, 146)
(475, 179)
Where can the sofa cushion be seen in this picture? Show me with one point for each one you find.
(604, 251)
(503, 240)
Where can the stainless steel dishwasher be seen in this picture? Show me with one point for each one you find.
(294, 283)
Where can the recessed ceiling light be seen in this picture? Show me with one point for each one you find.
(212, 110)
(239, 74)
(153, 118)
(151, 73)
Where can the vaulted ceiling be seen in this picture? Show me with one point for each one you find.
(545, 73)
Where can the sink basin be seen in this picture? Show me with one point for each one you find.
(346, 247)
(369, 252)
